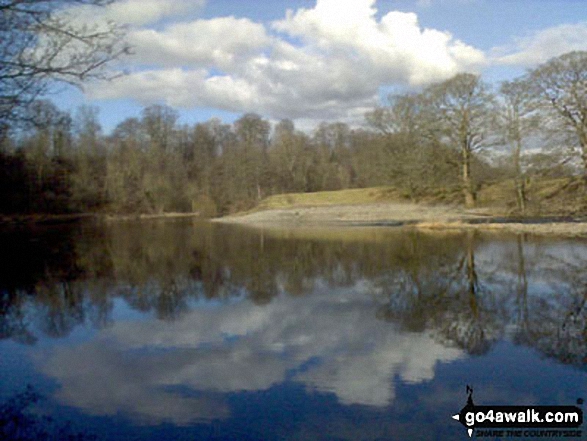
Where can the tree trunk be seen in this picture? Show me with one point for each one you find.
(521, 193)
(520, 180)
(468, 191)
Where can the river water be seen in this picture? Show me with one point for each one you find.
(181, 330)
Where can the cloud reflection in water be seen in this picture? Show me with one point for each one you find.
(330, 341)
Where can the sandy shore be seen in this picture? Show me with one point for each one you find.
(406, 215)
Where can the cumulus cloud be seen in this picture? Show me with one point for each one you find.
(323, 62)
(396, 46)
(543, 45)
(215, 43)
(185, 89)
(141, 12)
(135, 13)
(243, 347)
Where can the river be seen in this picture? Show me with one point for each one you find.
(174, 329)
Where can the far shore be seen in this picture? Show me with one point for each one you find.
(408, 215)
(423, 217)
(49, 219)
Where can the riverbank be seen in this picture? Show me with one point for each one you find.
(359, 214)
(54, 219)
(384, 214)
(407, 215)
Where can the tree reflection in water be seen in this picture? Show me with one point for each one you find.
(556, 324)
(467, 289)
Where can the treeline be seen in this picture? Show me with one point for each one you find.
(153, 165)
(455, 135)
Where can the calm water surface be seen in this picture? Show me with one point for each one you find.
(178, 330)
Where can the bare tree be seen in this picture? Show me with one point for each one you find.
(402, 115)
(560, 87)
(159, 122)
(41, 43)
(291, 158)
(519, 120)
(252, 132)
(409, 145)
(460, 111)
(89, 159)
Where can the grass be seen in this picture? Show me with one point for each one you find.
(546, 196)
(353, 196)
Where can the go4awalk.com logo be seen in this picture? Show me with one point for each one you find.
(521, 421)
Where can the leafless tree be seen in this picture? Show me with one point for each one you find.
(41, 43)
(461, 112)
(411, 151)
(518, 120)
(560, 88)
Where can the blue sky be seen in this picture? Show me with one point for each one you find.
(322, 60)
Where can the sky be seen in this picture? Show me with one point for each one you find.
(315, 60)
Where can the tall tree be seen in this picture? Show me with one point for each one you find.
(460, 111)
(159, 123)
(332, 164)
(406, 143)
(290, 158)
(560, 88)
(125, 168)
(252, 132)
(44, 146)
(518, 119)
(89, 156)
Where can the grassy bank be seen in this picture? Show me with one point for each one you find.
(551, 205)
(545, 197)
(562, 198)
(353, 196)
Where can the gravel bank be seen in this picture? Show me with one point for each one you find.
(366, 214)
(407, 215)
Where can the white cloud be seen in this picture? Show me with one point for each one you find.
(326, 62)
(543, 45)
(141, 12)
(397, 47)
(184, 89)
(135, 13)
(215, 43)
